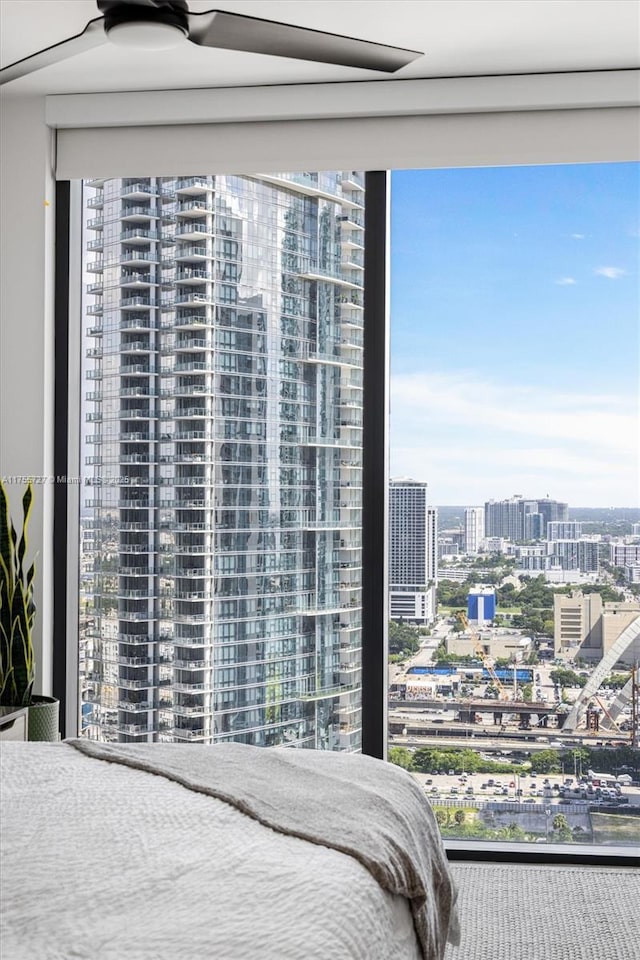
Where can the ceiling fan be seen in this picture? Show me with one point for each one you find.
(161, 24)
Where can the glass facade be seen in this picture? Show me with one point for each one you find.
(222, 460)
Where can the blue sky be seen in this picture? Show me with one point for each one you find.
(515, 314)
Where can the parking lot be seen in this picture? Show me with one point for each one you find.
(523, 788)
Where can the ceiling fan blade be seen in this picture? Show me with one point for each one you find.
(92, 36)
(233, 31)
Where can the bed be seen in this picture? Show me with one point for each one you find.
(225, 852)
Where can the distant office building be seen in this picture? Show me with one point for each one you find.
(577, 620)
(481, 605)
(413, 549)
(586, 628)
(624, 554)
(520, 519)
(494, 544)
(632, 573)
(574, 555)
(418, 606)
(447, 547)
(564, 530)
(635, 530)
(473, 529)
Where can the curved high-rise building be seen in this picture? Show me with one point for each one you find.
(221, 576)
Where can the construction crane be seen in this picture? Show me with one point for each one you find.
(487, 662)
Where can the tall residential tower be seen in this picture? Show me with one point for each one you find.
(473, 529)
(221, 577)
(413, 551)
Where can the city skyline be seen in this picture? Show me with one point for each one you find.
(514, 333)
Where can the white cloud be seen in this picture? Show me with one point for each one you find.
(566, 281)
(577, 236)
(472, 438)
(612, 273)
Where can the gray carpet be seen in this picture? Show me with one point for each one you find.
(540, 912)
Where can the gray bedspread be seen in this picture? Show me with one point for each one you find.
(360, 806)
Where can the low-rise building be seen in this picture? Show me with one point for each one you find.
(586, 628)
(498, 644)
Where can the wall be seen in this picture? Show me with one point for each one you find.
(26, 336)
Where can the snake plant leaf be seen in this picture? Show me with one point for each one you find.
(17, 608)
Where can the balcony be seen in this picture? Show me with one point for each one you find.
(192, 252)
(135, 729)
(352, 180)
(195, 319)
(352, 221)
(95, 266)
(193, 186)
(137, 369)
(139, 190)
(135, 346)
(193, 275)
(96, 223)
(129, 278)
(136, 322)
(136, 706)
(139, 235)
(193, 208)
(189, 230)
(138, 301)
(140, 258)
(179, 710)
(125, 684)
(138, 212)
(184, 734)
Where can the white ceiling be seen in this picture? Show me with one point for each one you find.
(458, 37)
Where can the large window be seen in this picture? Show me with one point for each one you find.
(227, 485)
(514, 545)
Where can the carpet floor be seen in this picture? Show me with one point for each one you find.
(547, 912)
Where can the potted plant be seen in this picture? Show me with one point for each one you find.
(17, 614)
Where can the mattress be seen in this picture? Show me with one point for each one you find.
(176, 851)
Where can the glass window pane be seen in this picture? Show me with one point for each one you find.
(516, 615)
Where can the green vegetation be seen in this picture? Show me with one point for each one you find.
(465, 823)
(616, 681)
(463, 759)
(567, 678)
(404, 640)
(449, 593)
(17, 608)
(430, 760)
(561, 829)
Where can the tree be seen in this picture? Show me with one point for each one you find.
(546, 761)
(442, 817)
(401, 757)
(562, 829)
(560, 822)
(459, 816)
(403, 638)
